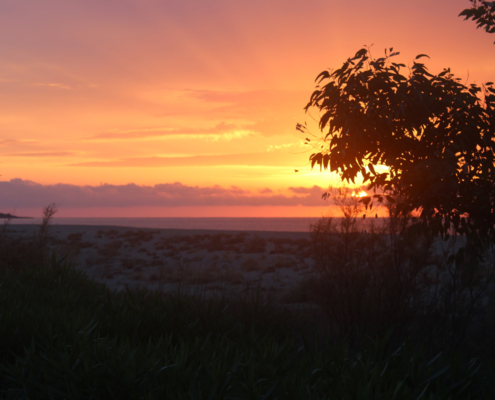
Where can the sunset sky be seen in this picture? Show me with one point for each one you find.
(188, 108)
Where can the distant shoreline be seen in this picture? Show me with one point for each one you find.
(10, 216)
(223, 224)
(209, 223)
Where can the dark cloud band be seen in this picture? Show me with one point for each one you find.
(19, 193)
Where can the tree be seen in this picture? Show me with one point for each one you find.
(434, 133)
(483, 13)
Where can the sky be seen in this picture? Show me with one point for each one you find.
(139, 108)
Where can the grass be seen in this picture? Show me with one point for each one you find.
(64, 336)
(388, 277)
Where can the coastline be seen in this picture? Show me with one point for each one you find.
(12, 217)
(206, 223)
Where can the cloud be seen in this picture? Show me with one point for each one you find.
(19, 193)
(285, 146)
(250, 159)
(33, 148)
(55, 85)
(305, 190)
(20, 144)
(272, 112)
(43, 154)
(222, 129)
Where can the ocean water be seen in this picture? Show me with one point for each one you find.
(231, 224)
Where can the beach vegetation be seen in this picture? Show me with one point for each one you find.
(74, 338)
(255, 244)
(218, 336)
(18, 251)
(110, 249)
(250, 264)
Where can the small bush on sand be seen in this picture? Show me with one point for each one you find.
(111, 249)
(18, 252)
(250, 264)
(255, 244)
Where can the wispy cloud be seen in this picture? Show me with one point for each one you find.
(55, 85)
(14, 147)
(272, 112)
(220, 130)
(285, 146)
(249, 159)
(43, 154)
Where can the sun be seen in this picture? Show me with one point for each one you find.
(360, 194)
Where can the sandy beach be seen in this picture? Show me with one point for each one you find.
(209, 261)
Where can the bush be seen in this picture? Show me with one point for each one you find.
(374, 278)
(18, 252)
(65, 336)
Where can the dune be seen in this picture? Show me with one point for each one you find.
(209, 261)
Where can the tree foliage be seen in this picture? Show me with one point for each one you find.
(434, 133)
(483, 13)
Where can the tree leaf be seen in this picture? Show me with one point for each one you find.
(390, 199)
(424, 128)
(372, 168)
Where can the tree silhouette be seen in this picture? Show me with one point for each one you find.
(483, 13)
(435, 134)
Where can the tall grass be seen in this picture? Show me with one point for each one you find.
(64, 336)
(26, 252)
(374, 278)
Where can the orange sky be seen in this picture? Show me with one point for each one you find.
(104, 99)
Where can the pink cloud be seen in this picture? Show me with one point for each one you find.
(23, 194)
(307, 191)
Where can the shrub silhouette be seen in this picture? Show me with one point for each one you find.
(17, 252)
(374, 279)
(483, 13)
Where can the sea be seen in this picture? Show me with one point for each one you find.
(230, 224)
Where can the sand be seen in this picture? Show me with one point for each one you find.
(212, 262)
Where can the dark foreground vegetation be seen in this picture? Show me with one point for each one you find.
(63, 336)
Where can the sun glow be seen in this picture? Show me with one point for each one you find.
(202, 133)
